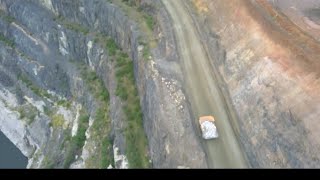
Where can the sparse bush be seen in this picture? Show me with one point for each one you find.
(57, 121)
(136, 142)
(64, 103)
(7, 18)
(104, 95)
(77, 142)
(80, 138)
(102, 125)
(28, 112)
(73, 26)
(76, 27)
(150, 21)
(36, 90)
(106, 152)
(47, 163)
(7, 41)
(112, 47)
(47, 111)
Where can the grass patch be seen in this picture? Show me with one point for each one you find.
(136, 141)
(150, 21)
(73, 26)
(146, 50)
(28, 112)
(111, 47)
(81, 134)
(64, 103)
(100, 130)
(57, 121)
(7, 41)
(36, 90)
(107, 152)
(47, 163)
(133, 10)
(76, 27)
(96, 86)
(48, 111)
(7, 18)
(77, 142)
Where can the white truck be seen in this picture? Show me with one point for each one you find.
(208, 128)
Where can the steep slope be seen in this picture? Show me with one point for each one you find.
(68, 94)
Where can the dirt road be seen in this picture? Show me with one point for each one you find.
(203, 92)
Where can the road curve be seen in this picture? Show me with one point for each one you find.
(203, 92)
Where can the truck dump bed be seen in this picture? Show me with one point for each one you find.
(208, 128)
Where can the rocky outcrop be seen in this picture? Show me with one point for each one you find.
(271, 77)
(44, 40)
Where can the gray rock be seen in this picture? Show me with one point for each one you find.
(44, 51)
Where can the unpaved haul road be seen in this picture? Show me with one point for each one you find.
(202, 89)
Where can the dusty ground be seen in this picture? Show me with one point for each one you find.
(203, 90)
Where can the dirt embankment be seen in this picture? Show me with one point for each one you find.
(271, 72)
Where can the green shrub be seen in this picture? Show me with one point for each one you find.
(150, 21)
(36, 90)
(102, 125)
(136, 142)
(9, 19)
(73, 26)
(28, 112)
(112, 47)
(78, 141)
(76, 27)
(47, 163)
(83, 124)
(106, 153)
(64, 103)
(7, 41)
(57, 121)
(104, 95)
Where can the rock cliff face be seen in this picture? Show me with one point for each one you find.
(48, 46)
(270, 71)
(98, 84)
